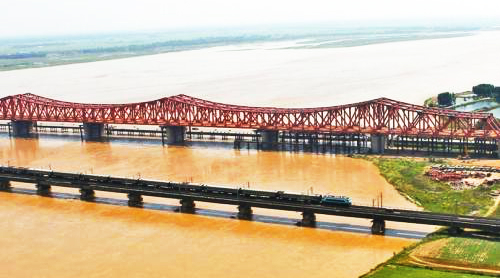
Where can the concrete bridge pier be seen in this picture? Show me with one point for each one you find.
(5, 185)
(455, 231)
(308, 219)
(87, 194)
(174, 134)
(93, 131)
(135, 200)
(22, 128)
(269, 139)
(245, 212)
(187, 206)
(43, 189)
(378, 226)
(379, 143)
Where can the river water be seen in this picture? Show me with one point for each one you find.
(61, 236)
(64, 237)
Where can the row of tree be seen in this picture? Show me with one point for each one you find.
(481, 90)
(487, 90)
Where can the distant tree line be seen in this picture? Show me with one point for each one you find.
(481, 90)
(487, 90)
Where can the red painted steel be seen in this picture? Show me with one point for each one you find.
(379, 116)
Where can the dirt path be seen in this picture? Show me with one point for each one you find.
(494, 207)
(421, 262)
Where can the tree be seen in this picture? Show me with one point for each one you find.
(496, 94)
(446, 99)
(483, 90)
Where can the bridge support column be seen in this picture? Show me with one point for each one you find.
(43, 189)
(378, 227)
(87, 194)
(308, 219)
(187, 206)
(269, 138)
(245, 212)
(175, 134)
(93, 131)
(134, 200)
(454, 231)
(379, 143)
(22, 128)
(5, 185)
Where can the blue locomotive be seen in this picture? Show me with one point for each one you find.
(336, 201)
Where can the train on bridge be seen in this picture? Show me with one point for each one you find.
(245, 199)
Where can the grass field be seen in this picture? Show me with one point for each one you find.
(472, 252)
(390, 271)
(440, 249)
(407, 176)
(496, 213)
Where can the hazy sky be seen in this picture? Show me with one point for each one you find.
(42, 17)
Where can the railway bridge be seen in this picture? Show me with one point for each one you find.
(376, 119)
(245, 199)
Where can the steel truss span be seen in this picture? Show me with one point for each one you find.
(378, 116)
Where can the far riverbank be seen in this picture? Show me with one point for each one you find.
(408, 71)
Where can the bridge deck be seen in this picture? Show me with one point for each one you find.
(222, 195)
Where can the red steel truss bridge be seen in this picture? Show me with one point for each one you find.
(378, 116)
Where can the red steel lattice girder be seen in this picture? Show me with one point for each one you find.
(379, 116)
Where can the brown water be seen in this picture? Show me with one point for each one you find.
(54, 237)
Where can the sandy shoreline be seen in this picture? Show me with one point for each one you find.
(408, 71)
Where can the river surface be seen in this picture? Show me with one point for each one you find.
(64, 237)
(409, 71)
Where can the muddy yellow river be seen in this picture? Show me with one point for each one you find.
(64, 237)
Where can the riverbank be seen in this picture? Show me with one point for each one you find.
(409, 71)
(439, 255)
(407, 176)
(23, 53)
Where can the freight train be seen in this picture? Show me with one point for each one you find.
(193, 188)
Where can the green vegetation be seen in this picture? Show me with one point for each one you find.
(496, 94)
(482, 98)
(483, 90)
(474, 252)
(469, 252)
(408, 178)
(430, 102)
(390, 271)
(446, 99)
(496, 213)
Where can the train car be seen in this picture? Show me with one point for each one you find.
(220, 190)
(298, 198)
(332, 201)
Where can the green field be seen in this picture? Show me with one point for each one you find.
(460, 251)
(476, 252)
(390, 271)
(407, 176)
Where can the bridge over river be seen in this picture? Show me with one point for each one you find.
(245, 199)
(411, 126)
